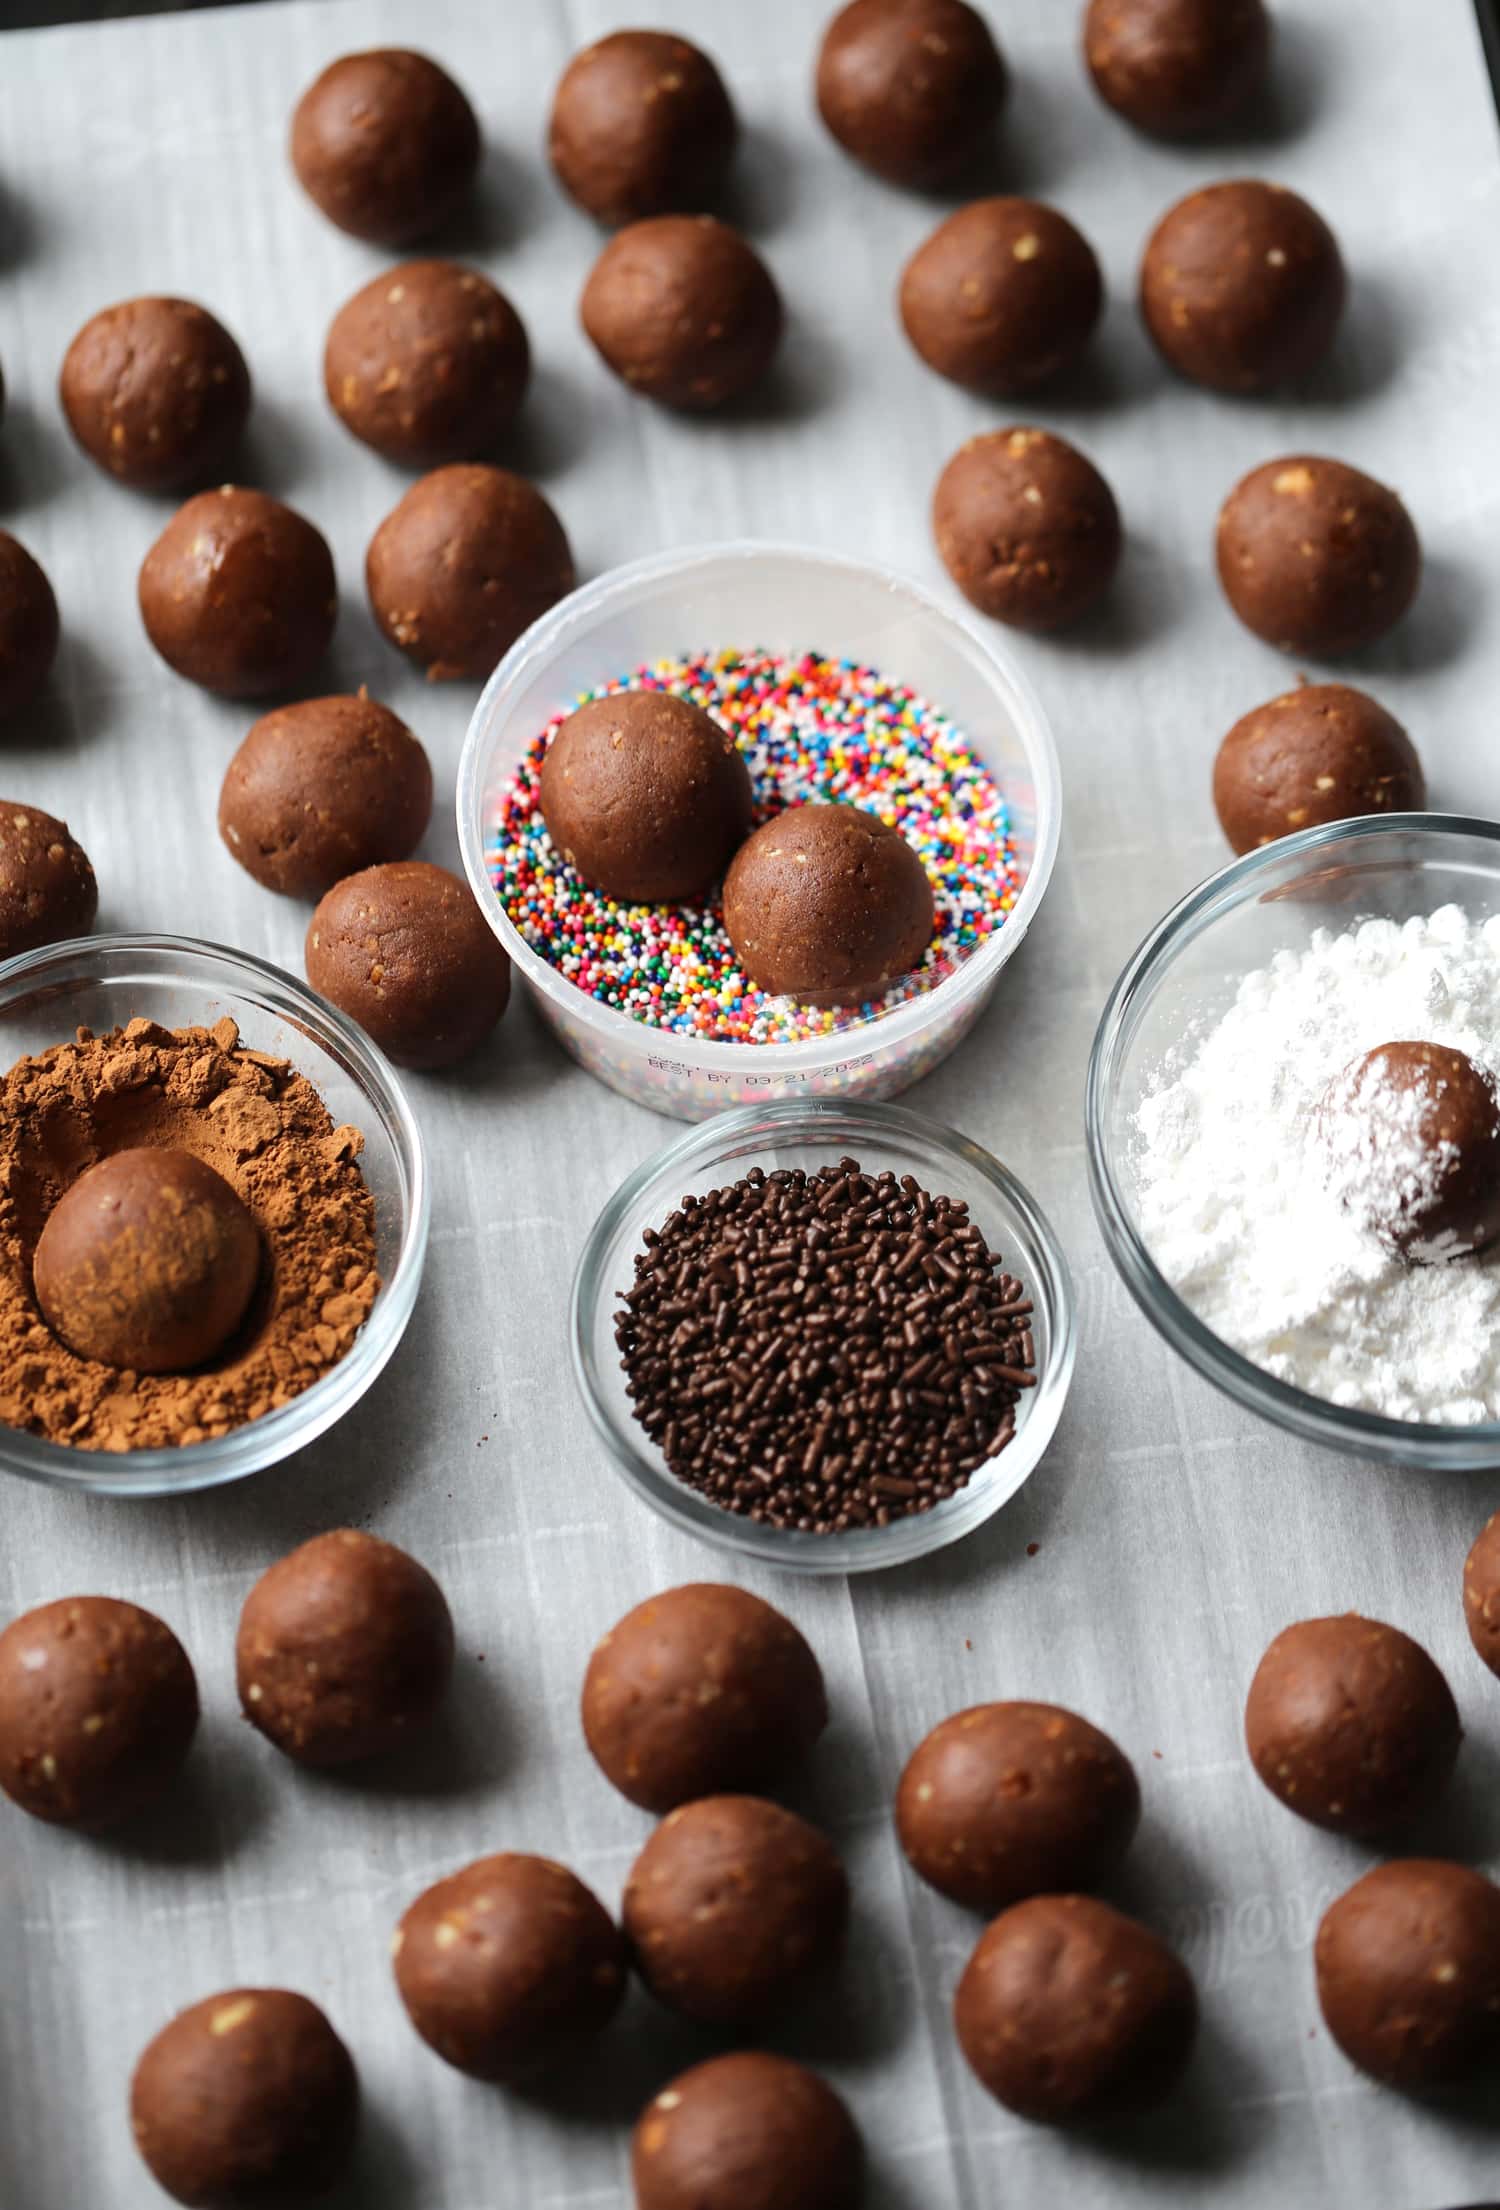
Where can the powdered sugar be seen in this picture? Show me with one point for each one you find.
(1266, 1223)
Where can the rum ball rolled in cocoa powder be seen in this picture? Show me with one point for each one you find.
(1316, 557)
(246, 2100)
(789, 1391)
(156, 392)
(1408, 1971)
(29, 627)
(911, 88)
(386, 144)
(1322, 752)
(406, 952)
(1482, 1593)
(1014, 1799)
(1027, 528)
(322, 789)
(1003, 296)
(468, 559)
(732, 1907)
(47, 887)
(344, 1650)
(259, 1124)
(509, 1967)
(701, 1690)
(1178, 68)
(641, 125)
(746, 2132)
(427, 364)
(149, 1262)
(646, 795)
(1069, 2011)
(238, 593)
(1242, 287)
(684, 310)
(98, 1707)
(1351, 1725)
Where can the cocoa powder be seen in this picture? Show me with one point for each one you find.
(264, 1127)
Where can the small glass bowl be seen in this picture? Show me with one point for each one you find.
(100, 982)
(809, 1133)
(781, 599)
(1183, 979)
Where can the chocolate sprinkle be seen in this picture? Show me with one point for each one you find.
(824, 1351)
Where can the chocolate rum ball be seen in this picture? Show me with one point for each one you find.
(911, 88)
(684, 311)
(1410, 1136)
(749, 2131)
(238, 593)
(156, 392)
(29, 627)
(1178, 68)
(1027, 528)
(641, 125)
(386, 144)
(827, 904)
(149, 1262)
(48, 891)
(320, 790)
(647, 796)
(1408, 1973)
(1242, 287)
(1316, 557)
(426, 364)
(1322, 752)
(1002, 297)
(405, 951)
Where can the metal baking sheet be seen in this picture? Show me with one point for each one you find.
(1167, 1536)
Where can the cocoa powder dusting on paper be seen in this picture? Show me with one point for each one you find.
(264, 1127)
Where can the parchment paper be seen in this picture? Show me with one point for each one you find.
(1167, 1536)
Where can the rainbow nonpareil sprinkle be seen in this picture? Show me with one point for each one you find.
(810, 729)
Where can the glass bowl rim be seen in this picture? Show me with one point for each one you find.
(1429, 1443)
(972, 974)
(859, 1550)
(258, 1443)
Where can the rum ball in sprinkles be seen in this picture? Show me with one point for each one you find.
(813, 730)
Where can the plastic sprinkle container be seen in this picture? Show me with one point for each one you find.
(778, 601)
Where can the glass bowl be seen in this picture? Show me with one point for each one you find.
(780, 599)
(1183, 978)
(809, 1133)
(100, 982)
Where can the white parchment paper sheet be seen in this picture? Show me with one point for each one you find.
(1172, 1535)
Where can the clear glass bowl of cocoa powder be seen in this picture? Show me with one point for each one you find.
(810, 1134)
(1182, 981)
(101, 984)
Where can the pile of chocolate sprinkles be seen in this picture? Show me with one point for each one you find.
(824, 1351)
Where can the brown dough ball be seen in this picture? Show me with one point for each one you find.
(641, 125)
(427, 364)
(29, 627)
(1410, 1136)
(698, 1691)
(1242, 287)
(247, 2100)
(405, 952)
(1408, 1965)
(468, 560)
(1027, 528)
(1178, 68)
(47, 886)
(746, 2132)
(98, 1706)
(731, 1907)
(149, 1262)
(912, 88)
(1069, 2011)
(827, 904)
(647, 796)
(385, 144)
(156, 392)
(507, 1967)
(1003, 296)
(1315, 557)
(1482, 1593)
(683, 310)
(321, 789)
(238, 593)
(1016, 1799)
(1351, 1725)
(344, 1650)
(1322, 752)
